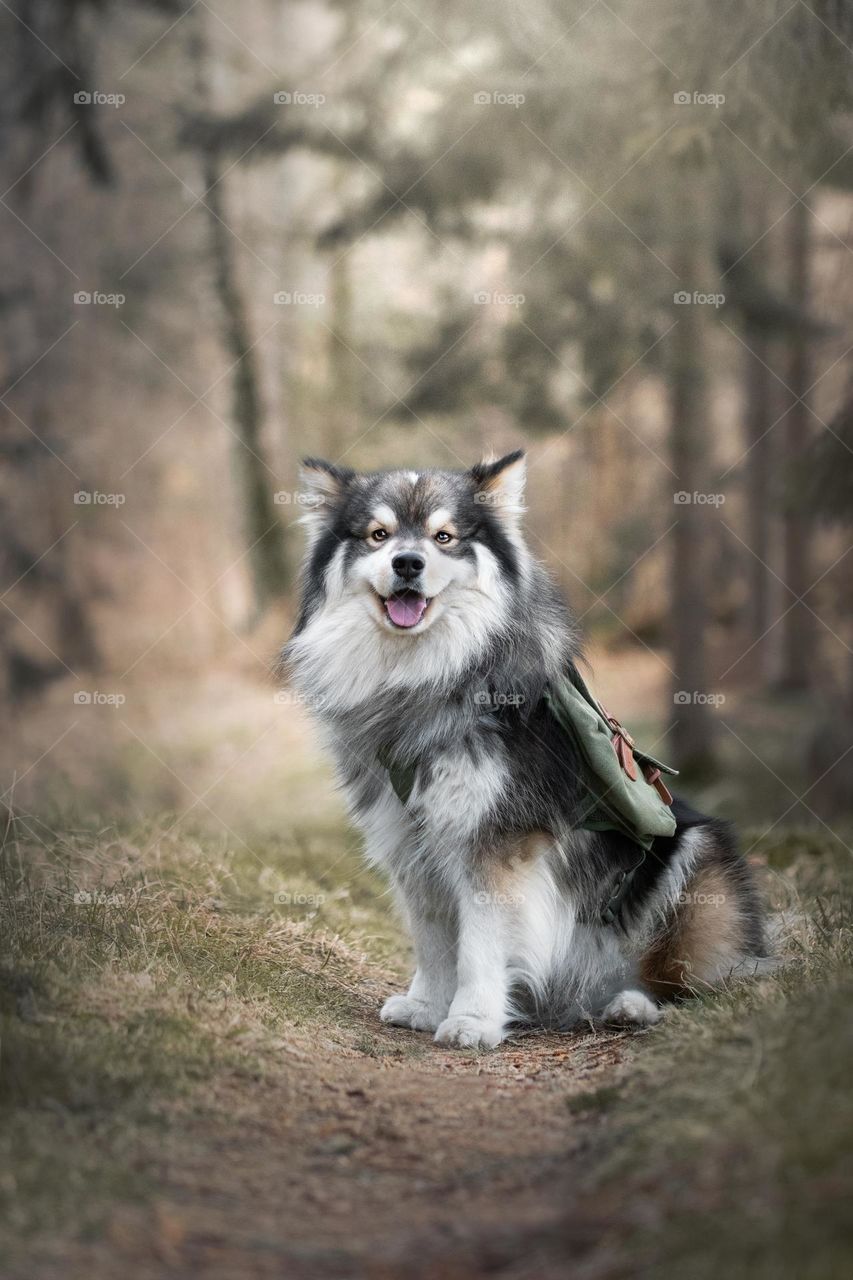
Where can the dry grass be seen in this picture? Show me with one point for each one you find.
(136, 965)
(143, 967)
(731, 1147)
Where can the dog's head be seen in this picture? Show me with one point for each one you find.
(412, 548)
(413, 580)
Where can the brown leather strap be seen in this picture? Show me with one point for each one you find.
(654, 778)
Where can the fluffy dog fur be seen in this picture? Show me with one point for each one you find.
(426, 636)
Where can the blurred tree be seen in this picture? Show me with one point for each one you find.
(798, 626)
(264, 532)
(48, 55)
(759, 395)
(826, 493)
(503, 208)
(690, 588)
(588, 218)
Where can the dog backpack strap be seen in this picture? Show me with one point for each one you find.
(402, 776)
(611, 909)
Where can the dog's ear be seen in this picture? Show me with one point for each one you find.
(500, 486)
(324, 485)
(325, 480)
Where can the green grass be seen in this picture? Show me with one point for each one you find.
(134, 966)
(732, 1145)
(595, 1101)
(76, 1089)
(139, 965)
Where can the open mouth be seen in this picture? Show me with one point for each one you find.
(405, 608)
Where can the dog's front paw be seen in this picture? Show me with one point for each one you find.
(631, 1009)
(465, 1031)
(402, 1011)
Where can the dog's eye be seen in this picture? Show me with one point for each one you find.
(443, 537)
(378, 535)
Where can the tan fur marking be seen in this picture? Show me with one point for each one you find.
(518, 855)
(507, 865)
(441, 520)
(383, 518)
(704, 938)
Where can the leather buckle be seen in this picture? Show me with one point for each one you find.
(655, 779)
(622, 744)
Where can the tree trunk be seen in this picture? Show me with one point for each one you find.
(342, 381)
(263, 529)
(798, 626)
(688, 393)
(264, 532)
(340, 414)
(759, 416)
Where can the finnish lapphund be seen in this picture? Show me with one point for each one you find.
(426, 640)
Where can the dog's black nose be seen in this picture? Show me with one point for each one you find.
(408, 564)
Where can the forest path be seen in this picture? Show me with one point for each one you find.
(210, 1089)
(380, 1157)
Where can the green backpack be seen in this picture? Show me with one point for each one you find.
(625, 788)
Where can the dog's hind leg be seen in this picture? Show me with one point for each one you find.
(631, 1008)
(714, 928)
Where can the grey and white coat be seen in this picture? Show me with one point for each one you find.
(427, 636)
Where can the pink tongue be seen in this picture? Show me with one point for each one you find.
(406, 610)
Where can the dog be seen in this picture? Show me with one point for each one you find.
(426, 638)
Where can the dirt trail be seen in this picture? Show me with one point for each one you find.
(353, 1150)
(343, 1161)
